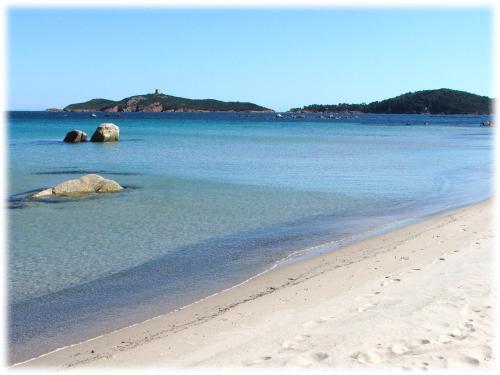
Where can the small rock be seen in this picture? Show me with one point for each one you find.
(75, 136)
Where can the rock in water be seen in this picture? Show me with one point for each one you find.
(75, 136)
(90, 183)
(106, 132)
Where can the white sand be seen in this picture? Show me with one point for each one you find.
(418, 297)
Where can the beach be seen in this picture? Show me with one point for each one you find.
(265, 190)
(421, 296)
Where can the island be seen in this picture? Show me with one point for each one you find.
(440, 101)
(158, 102)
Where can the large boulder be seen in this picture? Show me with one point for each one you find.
(75, 136)
(106, 132)
(90, 183)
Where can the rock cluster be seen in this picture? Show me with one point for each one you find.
(106, 132)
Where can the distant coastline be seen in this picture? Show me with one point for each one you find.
(158, 102)
(434, 102)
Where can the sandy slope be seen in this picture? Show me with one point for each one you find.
(418, 297)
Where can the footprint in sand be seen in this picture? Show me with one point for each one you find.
(312, 323)
(366, 307)
(471, 361)
(469, 327)
(257, 361)
(367, 358)
(445, 339)
(307, 359)
(438, 358)
(299, 361)
(399, 349)
(289, 344)
(438, 260)
(458, 334)
(319, 356)
(424, 366)
(359, 298)
(302, 337)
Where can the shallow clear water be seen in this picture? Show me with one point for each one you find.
(211, 199)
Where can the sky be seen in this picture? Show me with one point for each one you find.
(278, 58)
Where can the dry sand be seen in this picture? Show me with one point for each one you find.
(418, 297)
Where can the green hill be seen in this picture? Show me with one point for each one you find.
(441, 101)
(163, 103)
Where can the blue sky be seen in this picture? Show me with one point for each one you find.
(279, 58)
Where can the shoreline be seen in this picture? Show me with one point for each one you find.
(100, 322)
(127, 345)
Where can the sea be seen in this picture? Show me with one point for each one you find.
(210, 200)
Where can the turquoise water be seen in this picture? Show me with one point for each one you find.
(211, 200)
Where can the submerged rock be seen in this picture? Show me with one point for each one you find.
(106, 132)
(75, 136)
(488, 123)
(90, 183)
(44, 193)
